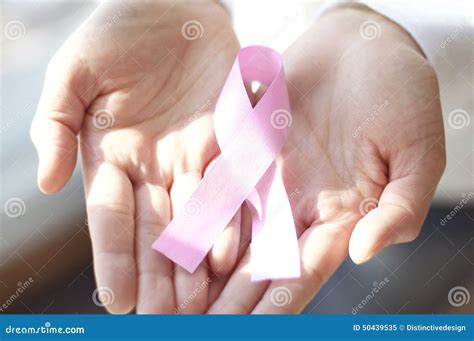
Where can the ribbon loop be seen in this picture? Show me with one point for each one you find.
(249, 140)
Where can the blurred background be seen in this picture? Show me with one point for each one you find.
(44, 241)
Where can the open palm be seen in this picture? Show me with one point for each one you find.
(364, 155)
(138, 84)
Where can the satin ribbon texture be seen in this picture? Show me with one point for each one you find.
(249, 139)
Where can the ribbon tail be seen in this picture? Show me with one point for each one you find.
(274, 247)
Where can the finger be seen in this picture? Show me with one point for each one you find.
(218, 282)
(110, 210)
(401, 209)
(223, 255)
(56, 125)
(239, 295)
(216, 285)
(322, 249)
(191, 289)
(245, 231)
(155, 272)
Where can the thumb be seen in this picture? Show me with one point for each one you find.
(57, 122)
(402, 208)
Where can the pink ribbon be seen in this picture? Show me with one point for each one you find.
(250, 140)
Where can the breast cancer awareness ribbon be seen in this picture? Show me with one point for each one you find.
(250, 139)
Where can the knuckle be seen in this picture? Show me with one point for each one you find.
(116, 209)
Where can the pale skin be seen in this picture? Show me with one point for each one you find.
(161, 89)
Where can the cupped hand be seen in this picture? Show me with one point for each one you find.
(137, 82)
(364, 155)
